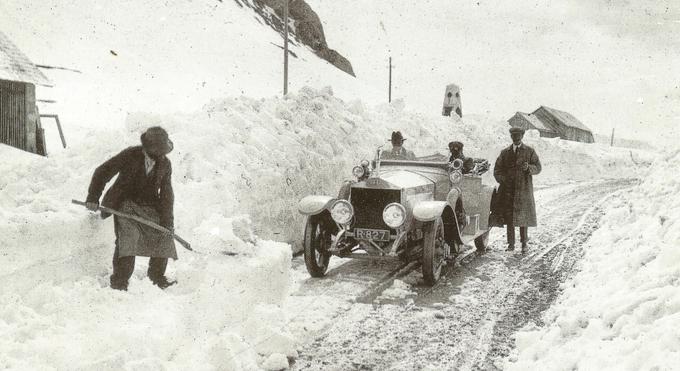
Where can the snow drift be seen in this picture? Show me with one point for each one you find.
(236, 160)
(621, 311)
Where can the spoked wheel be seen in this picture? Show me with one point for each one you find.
(482, 242)
(434, 251)
(317, 242)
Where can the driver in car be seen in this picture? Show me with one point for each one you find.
(398, 152)
(456, 149)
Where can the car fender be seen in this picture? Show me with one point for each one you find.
(313, 205)
(427, 211)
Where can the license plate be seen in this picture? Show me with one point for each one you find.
(372, 234)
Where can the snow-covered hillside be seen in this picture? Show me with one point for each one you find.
(235, 160)
(159, 56)
(241, 162)
(621, 311)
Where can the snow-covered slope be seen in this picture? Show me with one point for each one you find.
(236, 159)
(159, 56)
(621, 311)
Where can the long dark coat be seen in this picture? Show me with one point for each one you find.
(516, 190)
(133, 184)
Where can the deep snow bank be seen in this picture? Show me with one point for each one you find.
(621, 311)
(272, 152)
(237, 159)
(58, 312)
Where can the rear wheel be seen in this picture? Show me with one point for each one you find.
(317, 242)
(482, 242)
(434, 251)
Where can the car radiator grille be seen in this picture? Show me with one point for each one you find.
(369, 204)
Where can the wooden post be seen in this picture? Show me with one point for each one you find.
(389, 92)
(612, 142)
(61, 132)
(285, 47)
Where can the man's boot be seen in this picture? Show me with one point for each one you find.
(511, 247)
(525, 247)
(163, 282)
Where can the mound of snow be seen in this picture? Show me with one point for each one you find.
(621, 311)
(269, 153)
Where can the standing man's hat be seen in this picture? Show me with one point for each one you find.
(455, 145)
(397, 137)
(155, 141)
(514, 130)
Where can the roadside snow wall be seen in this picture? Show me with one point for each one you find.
(622, 309)
(266, 154)
(236, 160)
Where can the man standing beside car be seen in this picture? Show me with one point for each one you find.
(514, 170)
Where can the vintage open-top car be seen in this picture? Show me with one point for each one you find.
(423, 209)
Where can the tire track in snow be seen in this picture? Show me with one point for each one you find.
(466, 321)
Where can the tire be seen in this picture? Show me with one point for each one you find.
(316, 244)
(482, 242)
(434, 247)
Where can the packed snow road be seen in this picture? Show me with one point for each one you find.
(380, 315)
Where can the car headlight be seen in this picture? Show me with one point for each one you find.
(457, 164)
(358, 171)
(394, 215)
(342, 212)
(364, 163)
(455, 177)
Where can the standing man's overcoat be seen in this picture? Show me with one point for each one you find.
(516, 186)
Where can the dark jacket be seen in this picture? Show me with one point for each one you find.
(133, 184)
(516, 186)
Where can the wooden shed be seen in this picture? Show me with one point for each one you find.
(19, 118)
(452, 102)
(528, 121)
(552, 123)
(568, 126)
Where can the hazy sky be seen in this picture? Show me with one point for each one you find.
(610, 63)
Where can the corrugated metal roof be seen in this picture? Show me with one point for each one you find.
(535, 121)
(566, 118)
(15, 66)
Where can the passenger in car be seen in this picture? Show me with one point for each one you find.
(398, 152)
(456, 149)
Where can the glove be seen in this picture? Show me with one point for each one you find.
(92, 206)
(525, 166)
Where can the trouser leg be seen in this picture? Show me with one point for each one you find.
(157, 268)
(122, 266)
(511, 234)
(524, 234)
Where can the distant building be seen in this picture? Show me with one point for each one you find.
(19, 118)
(528, 121)
(452, 102)
(552, 123)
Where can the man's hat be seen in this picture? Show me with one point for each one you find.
(155, 141)
(455, 145)
(397, 137)
(515, 129)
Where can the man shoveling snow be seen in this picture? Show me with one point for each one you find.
(143, 189)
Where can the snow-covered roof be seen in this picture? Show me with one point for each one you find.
(566, 118)
(15, 66)
(535, 121)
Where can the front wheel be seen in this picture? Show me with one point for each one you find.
(434, 251)
(316, 243)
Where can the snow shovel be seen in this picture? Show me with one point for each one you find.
(136, 218)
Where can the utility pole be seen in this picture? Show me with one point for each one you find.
(389, 93)
(285, 47)
(612, 142)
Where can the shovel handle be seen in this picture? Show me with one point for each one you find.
(149, 223)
